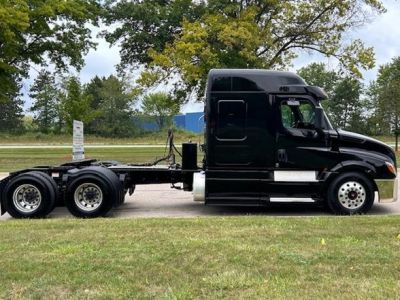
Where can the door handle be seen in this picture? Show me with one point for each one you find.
(282, 155)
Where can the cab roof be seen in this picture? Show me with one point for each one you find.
(257, 80)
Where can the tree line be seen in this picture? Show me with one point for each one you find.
(105, 105)
(174, 44)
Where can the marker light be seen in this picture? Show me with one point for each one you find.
(391, 168)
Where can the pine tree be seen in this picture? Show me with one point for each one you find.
(11, 114)
(75, 104)
(46, 101)
(113, 106)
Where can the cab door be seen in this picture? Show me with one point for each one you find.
(300, 144)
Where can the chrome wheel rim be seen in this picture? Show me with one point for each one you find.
(352, 195)
(88, 196)
(27, 198)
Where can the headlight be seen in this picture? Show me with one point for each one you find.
(391, 168)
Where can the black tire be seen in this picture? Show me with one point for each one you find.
(90, 183)
(29, 195)
(350, 193)
(55, 188)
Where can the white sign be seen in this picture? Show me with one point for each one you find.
(78, 151)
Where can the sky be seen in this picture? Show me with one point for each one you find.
(383, 33)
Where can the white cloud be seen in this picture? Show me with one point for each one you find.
(101, 61)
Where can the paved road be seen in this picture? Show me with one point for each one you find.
(158, 200)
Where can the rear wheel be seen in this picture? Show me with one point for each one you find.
(350, 193)
(89, 197)
(30, 195)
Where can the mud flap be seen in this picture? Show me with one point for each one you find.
(2, 208)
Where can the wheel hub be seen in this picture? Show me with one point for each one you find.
(88, 196)
(351, 195)
(27, 198)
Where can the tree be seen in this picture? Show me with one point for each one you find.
(45, 94)
(93, 90)
(345, 106)
(318, 74)
(11, 114)
(75, 104)
(237, 34)
(146, 24)
(113, 104)
(387, 88)
(41, 32)
(374, 124)
(161, 106)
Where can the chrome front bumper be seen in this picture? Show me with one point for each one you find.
(387, 190)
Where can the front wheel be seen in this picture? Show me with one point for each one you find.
(350, 193)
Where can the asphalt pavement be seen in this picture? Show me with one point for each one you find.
(159, 200)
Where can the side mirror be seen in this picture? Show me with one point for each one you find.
(319, 120)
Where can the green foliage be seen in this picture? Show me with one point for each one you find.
(11, 115)
(346, 107)
(318, 74)
(345, 104)
(387, 97)
(161, 106)
(238, 34)
(39, 32)
(46, 103)
(113, 105)
(146, 24)
(75, 104)
(11, 112)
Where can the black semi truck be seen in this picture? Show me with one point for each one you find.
(267, 139)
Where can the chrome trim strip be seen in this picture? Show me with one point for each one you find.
(291, 200)
(295, 176)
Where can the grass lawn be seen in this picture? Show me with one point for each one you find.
(144, 138)
(16, 159)
(65, 139)
(209, 258)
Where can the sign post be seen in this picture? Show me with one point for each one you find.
(78, 151)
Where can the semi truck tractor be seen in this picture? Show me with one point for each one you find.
(266, 140)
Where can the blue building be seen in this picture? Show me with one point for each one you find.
(193, 121)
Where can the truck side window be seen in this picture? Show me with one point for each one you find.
(299, 114)
(231, 122)
(287, 116)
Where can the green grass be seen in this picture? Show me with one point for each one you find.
(143, 138)
(209, 258)
(16, 159)
(51, 139)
